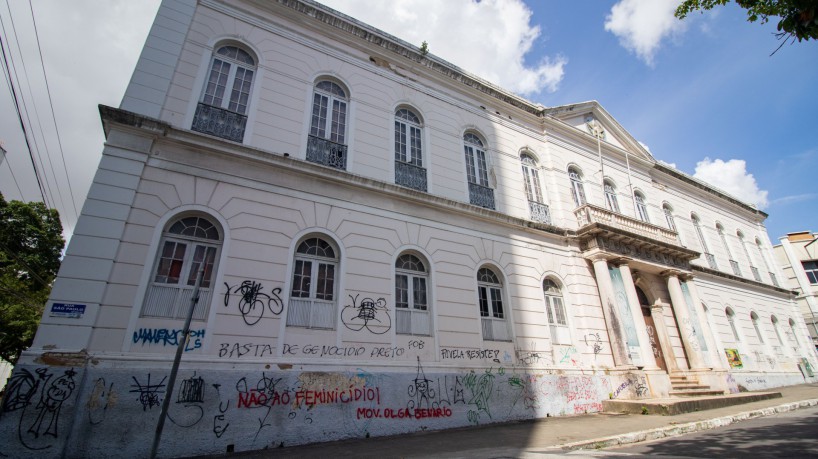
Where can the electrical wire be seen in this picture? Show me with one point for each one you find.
(53, 116)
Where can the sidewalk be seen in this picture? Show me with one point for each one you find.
(554, 435)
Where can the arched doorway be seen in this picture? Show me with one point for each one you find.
(650, 326)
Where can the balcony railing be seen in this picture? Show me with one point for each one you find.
(774, 279)
(410, 176)
(711, 260)
(756, 275)
(589, 214)
(482, 196)
(736, 269)
(219, 122)
(326, 152)
(539, 212)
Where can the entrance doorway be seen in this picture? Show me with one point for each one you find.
(650, 326)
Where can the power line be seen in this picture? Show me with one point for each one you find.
(15, 180)
(19, 115)
(53, 116)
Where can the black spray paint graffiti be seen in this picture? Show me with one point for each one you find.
(191, 396)
(594, 340)
(252, 302)
(219, 424)
(263, 395)
(22, 388)
(102, 397)
(148, 393)
(370, 314)
(420, 392)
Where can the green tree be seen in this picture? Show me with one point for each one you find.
(798, 18)
(30, 247)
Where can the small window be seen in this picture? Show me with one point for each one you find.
(480, 194)
(490, 300)
(222, 110)
(409, 171)
(610, 196)
(794, 332)
(189, 244)
(774, 321)
(577, 189)
(668, 211)
(328, 123)
(313, 293)
(811, 270)
(555, 312)
(411, 296)
(641, 207)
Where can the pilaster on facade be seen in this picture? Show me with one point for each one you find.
(687, 328)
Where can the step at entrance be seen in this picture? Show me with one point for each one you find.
(689, 386)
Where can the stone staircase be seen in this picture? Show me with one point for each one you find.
(689, 386)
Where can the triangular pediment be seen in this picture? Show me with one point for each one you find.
(591, 118)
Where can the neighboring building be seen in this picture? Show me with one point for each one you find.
(389, 244)
(798, 256)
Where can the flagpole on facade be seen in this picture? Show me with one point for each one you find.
(175, 369)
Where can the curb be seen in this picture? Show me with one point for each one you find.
(673, 431)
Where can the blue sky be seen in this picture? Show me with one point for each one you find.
(703, 94)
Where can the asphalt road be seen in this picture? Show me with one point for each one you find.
(788, 435)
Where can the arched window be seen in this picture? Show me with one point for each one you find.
(794, 334)
(480, 194)
(610, 196)
(409, 171)
(327, 140)
(312, 296)
(760, 248)
(222, 109)
(668, 211)
(754, 318)
(731, 319)
(774, 321)
(577, 189)
(711, 260)
(189, 244)
(555, 311)
(533, 190)
(492, 312)
(733, 263)
(743, 245)
(411, 297)
(641, 207)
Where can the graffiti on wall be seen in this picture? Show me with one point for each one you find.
(253, 302)
(369, 314)
(169, 337)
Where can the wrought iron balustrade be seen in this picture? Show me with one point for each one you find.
(482, 196)
(539, 212)
(736, 269)
(589, 214)
(756, 274)
(219, 122)
(711, 260)
(410, 176)
(326, 152)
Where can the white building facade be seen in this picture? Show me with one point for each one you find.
(387, 244)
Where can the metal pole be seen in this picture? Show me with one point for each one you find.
(180, 348)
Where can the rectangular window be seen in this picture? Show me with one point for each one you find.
(326, 282)
(497, 302)
(484, 302)
(400, 141)
(301, 279)
(401, 291)
(214, 92)
(419, 293)
(811, 270)
(170, 264)
(319, 116)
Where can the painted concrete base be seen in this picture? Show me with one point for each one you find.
(102, 409)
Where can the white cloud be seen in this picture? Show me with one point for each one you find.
(642, 25)
(732, 177)
(489, 38)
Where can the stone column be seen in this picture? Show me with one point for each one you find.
(648, 361)
(679, 306)
(616, 335)
(717, 358)
(657, 311)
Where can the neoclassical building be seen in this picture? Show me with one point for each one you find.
(381, 243)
